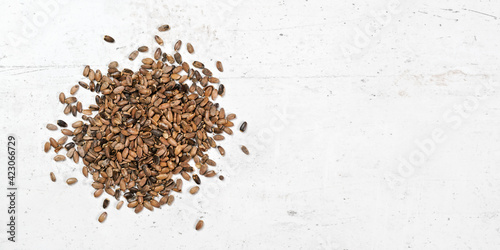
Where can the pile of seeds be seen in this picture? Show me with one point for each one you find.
(145, 127)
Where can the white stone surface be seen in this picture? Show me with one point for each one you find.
(327, 176)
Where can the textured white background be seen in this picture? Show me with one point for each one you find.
(328, 174)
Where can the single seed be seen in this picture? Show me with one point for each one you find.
(46, 147)
(53, 142)
(178, 45)
(62, 123)
(77, 124)
(103, 217)
(218, 137)
(86, 71)
(243, 127)
(221, 177)
(67, 132)
(71, 181)
(143, 49)
(113, 65)
(178, 58)
(105, 203)
(218, 64)
(163, 28)
(198, 65)
(133, 55)
(119, 205)
(159, 40)
(62, 97)
(74, 89)
(190, 48)
(51, 126)
(157, 54)
(221, 150)
(245, 150)
(194, 190)
(52, 177)
(59, 158)
(196, 179)
(170, 200)
(109, 39)
(62, 140)
(199, 225)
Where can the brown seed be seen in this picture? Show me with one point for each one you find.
(178, 45)
(62, 123)
(210, 173)
(85, 171)
(170, 200)
(157, 54)
(133, 55)
(221, 150)
(190, 48)
(196, 179)
(163, 28)
(51, 126)
(198, 65)
(231, 116)
(53, 142)
(98, 192)
(74, 89)
(138, 208)
(159, 40)
(59, 158)
(218, 137)
(221, 177)
(70, 100)
(206, 72)
(71, 181)
(245, 150)
(46, 147)
(103, 217)
(119, 205)
(86, 71)
(199, 225)
(178, 58)
(62, 97)
(218, 64)
(113, 65)
(243, 127)
(109, 39)
(67, 132)
(143, 49)
(52, 177)
(77, 124)
(105, 203)
(62, 140)
(194, 190)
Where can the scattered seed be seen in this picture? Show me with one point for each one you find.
(221, 177)
(62, 123)
(119, 205)
(103, 217)
(105, 203)
(71, 181)
(245, 150)
(46, 147)
(62, 97)
(74, 89)
(194, 190)
(218, 64)
(143, 49)
(190, 48)
(163, 28)
(221, 150)
(62, 140)
(52, 177)
(159, 40)
(199, 225)
(51, 126)
(109, 39)
(59, 158)
(243, 127)
(133, 55)
(198, 65)
(178, 45)
(113, 65)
